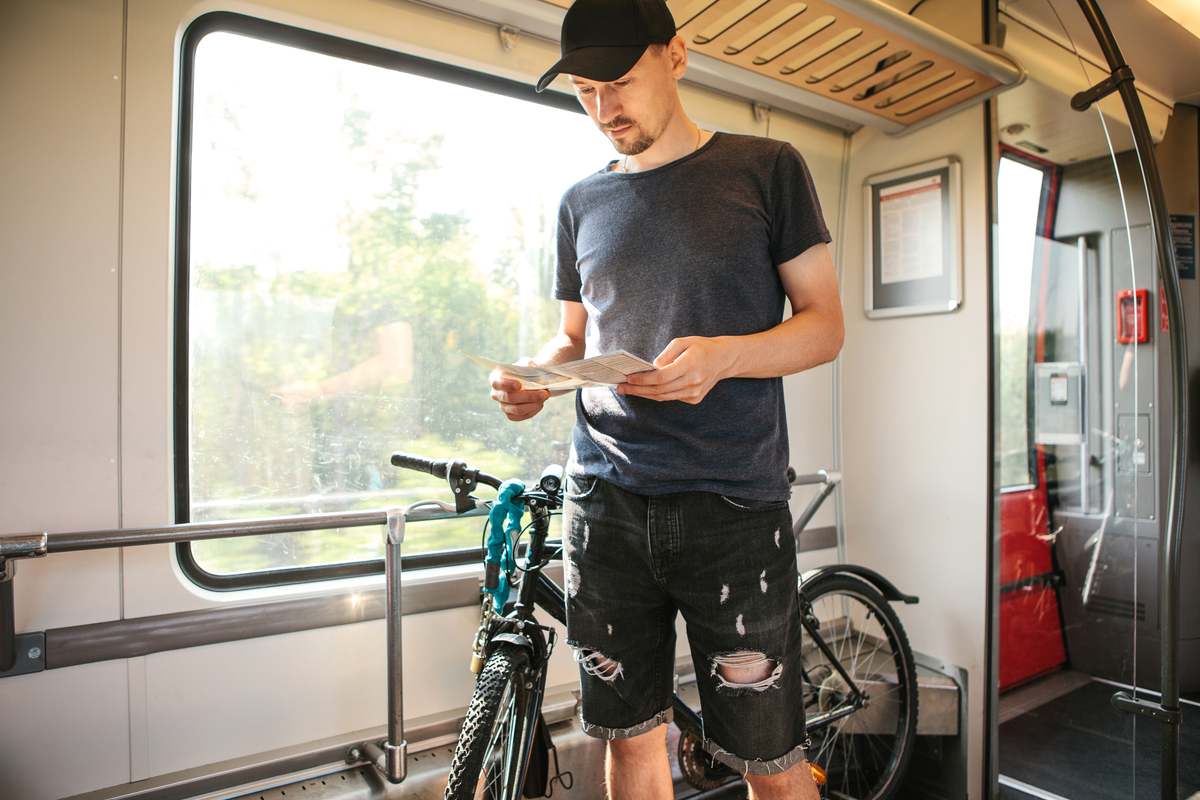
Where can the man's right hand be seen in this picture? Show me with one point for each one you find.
(516, 403)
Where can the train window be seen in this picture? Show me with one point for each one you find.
(1020, 197)
(352, 222)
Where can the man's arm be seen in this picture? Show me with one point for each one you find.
(566, 345)
(690, 366)
(392, 361)
(814, 333)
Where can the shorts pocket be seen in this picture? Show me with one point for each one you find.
(580, 488)
(749, 505)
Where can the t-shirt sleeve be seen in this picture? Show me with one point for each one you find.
(567, 283)
(796, 221)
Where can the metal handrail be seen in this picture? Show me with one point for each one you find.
(27, 545)
(390, 756)
(828, 481)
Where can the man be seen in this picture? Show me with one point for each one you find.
(682, 250)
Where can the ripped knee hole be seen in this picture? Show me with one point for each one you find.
(596, 663)
(746, 669)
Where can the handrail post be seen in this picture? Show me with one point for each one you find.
(1166, 710)
(395, 749)
(13, 547)
(8, 629)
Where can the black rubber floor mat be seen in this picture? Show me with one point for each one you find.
(1080, 747)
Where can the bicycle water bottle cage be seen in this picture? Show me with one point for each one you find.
(462, 482)
(504, 523)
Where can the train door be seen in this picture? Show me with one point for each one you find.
(1082, 410)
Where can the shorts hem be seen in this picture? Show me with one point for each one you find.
(757, 766)
(602, 732)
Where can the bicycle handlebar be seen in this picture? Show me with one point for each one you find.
(407, 461)
(439, 469)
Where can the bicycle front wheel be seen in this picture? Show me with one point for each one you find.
(489, 741)
(863, 753)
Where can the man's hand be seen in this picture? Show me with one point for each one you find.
(516, 403)
(686, 370)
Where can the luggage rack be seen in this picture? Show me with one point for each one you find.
(859, 60)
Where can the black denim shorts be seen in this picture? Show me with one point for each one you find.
(631, 562)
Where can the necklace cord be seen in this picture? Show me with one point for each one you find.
(699, 136)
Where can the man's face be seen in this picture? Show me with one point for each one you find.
(633, 110)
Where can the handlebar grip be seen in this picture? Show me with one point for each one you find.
(409, 461)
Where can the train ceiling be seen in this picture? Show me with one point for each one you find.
(876, 64)
(849, 63)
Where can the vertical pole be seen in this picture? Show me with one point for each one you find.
(395, 750)
(8, 630)
(1085, 455)
(1169, 541)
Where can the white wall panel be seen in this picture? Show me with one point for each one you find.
(60, 89)
(210, 703)
(914, 430)
(64, 731)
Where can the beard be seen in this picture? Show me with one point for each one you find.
(639, 142)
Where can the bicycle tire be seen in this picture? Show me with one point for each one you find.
(503, 670)
(882, 782)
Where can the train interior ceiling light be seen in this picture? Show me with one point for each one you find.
(850, 63)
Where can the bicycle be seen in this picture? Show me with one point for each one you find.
(861, 689)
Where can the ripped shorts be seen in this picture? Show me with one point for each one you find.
(728, 564)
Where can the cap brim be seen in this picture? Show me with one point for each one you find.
(595, 63)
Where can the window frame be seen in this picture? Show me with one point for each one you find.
(1044, 227)
(338, 47)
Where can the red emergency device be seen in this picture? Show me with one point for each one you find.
(1132, 327)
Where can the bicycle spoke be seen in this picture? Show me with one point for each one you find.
(491, 773)
(857, 650)
(516, 735)
(826, 743)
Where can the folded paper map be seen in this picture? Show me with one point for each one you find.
(604, 370)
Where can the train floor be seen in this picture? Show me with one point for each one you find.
(1062, 738)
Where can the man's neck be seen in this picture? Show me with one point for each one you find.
(677, 140)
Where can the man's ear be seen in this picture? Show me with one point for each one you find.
(677, 54)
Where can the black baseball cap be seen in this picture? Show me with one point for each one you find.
(603, 39)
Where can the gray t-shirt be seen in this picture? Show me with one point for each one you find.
(689, 248)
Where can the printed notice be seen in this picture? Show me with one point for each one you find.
(910, 230)
(606, 370)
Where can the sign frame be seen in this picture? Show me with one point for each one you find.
(939, 293)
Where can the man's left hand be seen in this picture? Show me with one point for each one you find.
(686, 370)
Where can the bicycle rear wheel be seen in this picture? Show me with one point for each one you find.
(864, 754)
(489, 739)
